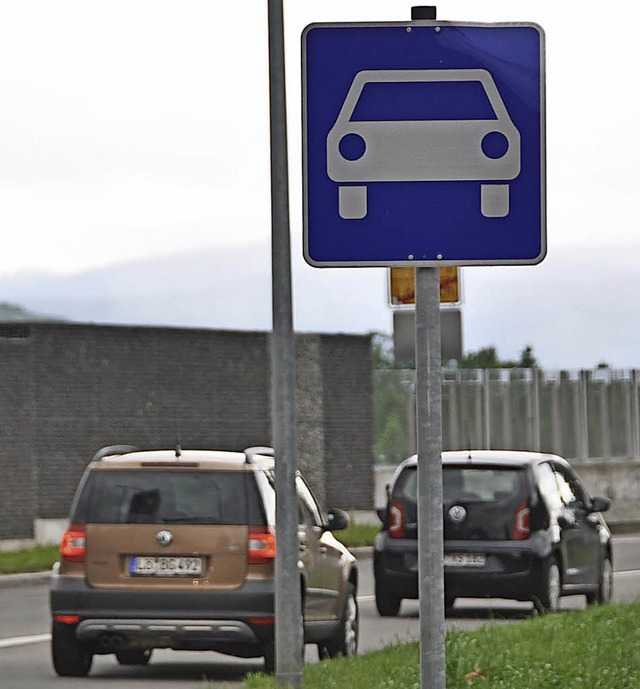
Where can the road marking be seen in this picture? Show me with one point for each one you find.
(634, 572)
(363, 598)
(24, 640)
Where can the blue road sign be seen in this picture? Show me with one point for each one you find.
(424, 144)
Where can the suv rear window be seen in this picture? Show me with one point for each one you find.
(169, 497)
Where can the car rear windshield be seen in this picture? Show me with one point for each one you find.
(169, 497)
(477, 484)
(490, 495)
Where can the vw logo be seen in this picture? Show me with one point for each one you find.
(164, 537)
(457, 514)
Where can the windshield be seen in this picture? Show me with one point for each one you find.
(422, 100)
(163, 497)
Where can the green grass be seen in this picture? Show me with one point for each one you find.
(598, 648)
(28, 560)
(357, 535)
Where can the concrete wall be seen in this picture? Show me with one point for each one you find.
(69, 389)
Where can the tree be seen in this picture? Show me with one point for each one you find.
(383, 356)
(527, 358)
(487, 357)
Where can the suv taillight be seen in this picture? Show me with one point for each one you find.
(522, 522)
(262, 546)
(73, 546)
(396, 520)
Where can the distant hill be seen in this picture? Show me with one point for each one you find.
(223, 288)
(11, 312)
(576, 308)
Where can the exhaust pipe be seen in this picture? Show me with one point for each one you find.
(109, 641)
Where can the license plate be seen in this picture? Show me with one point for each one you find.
(464, 560)
(165, 566)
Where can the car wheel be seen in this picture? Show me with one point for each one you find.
(269, 655)
(494, 201)
(605, 584)
(134, 656)
(547, 598)
(387, 603)
(345, 642)
(352, 203)
(449, 602)
(70, 657)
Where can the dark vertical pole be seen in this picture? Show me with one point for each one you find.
(288, 631)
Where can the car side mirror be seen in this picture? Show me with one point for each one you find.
(566, 521)
(382, 514)
(337, 520)
(600, 504)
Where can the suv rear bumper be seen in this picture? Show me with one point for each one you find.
(113, 634)
(513, 569)
(112, 619)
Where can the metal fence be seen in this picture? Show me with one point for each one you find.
(582, 415)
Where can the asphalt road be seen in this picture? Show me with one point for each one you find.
(24, 638)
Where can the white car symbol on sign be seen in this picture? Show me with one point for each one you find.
(392, 148)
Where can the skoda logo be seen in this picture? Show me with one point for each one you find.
(457, 514)
(164, 537)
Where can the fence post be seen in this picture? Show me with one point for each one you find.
(605, 430)
(486, 409)
(556, 419)
(453, 419)
(583, 417)
(411, 420)
(635, 416)
(478, 409)
(506, 390)
(535, 409)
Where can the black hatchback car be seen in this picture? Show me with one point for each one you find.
(517, 525)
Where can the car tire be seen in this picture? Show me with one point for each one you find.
(605, 584)
(134, 656)
(269, 656)
(387, 603)
(449, 602)
(345, 641)
(547, 598)
(352, 202)
(70, 657)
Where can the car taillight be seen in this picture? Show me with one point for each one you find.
(73, 546)
(67, 619)
(262, 546)
(396, 520)
(522, 523)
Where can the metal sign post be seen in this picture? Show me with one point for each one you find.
(288, 631)
(429, 426)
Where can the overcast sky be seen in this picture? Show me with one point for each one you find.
(131, 129)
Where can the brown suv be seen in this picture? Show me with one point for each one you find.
(176, 549)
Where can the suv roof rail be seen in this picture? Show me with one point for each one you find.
(111, 450)
(251, 452)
